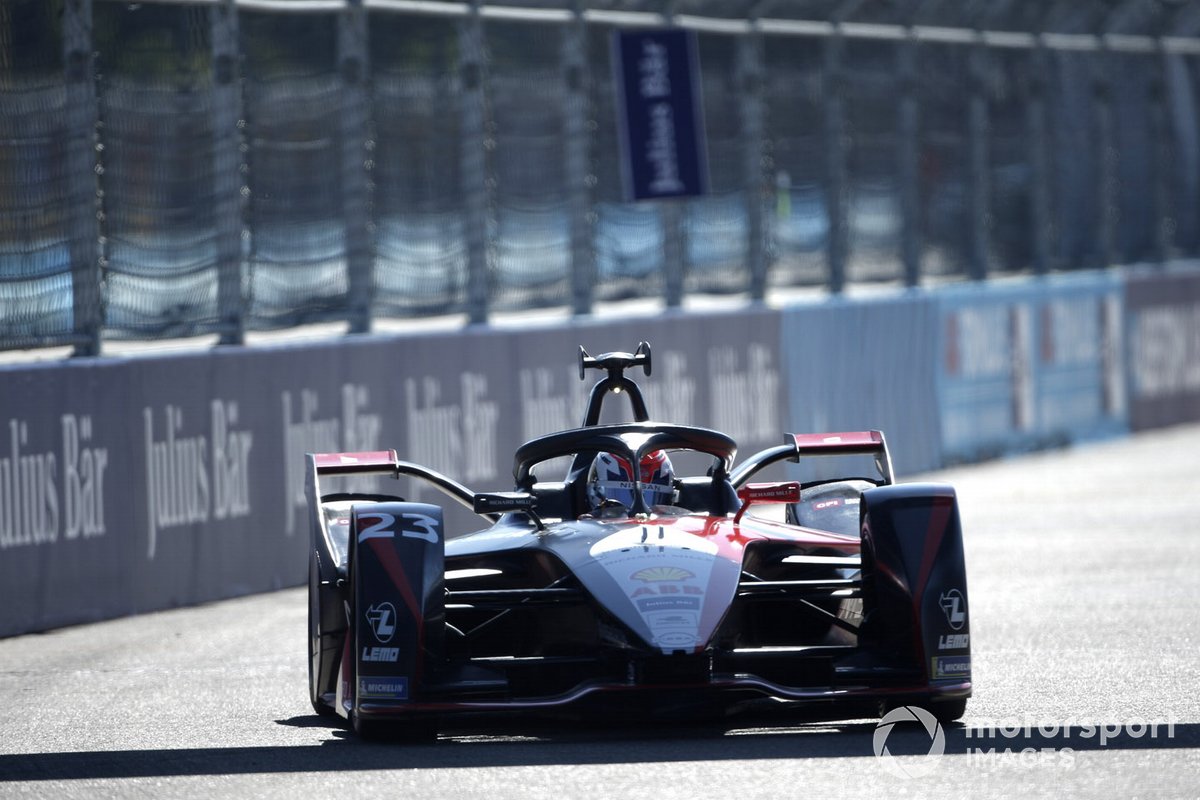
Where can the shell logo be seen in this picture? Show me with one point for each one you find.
(657, 574)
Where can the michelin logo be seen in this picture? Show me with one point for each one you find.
(951, 666)
(383, 688)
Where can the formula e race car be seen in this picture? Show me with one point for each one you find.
(621, 585)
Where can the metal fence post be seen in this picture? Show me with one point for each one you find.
(82, 170)
(353, 58)
(908, 155)
(671, 217)
(750, 79)
(835, 156)
(978, 125)
(227, 172)
(674, 250)
(579, 199)
(1039, 206)
(474, 167)
(1162, 134)
(1106, 160)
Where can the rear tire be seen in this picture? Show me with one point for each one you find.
(314, 641)
(369, 730)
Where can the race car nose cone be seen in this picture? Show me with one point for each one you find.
(670, 586)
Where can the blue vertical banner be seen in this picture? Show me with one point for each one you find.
(659, 112)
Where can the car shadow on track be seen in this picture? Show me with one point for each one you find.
(554, 743)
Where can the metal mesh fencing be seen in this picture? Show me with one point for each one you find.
(35, 193)
(943, 162)
(155, 100)
(420, 241)
(217, 166)
(716, 226)
(297, 262)
(628, 237)
(797, 217)
(529, 223)
(1010, 175)
(1075, 145)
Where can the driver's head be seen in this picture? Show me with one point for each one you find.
(611, 480)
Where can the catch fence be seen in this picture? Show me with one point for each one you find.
(187, 167)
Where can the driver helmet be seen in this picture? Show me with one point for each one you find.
(611, 480)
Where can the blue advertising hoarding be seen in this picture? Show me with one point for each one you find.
(1030, 365)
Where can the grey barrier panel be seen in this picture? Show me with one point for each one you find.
(129, 485)
(1163, 347)
(866, 364)
(56, 478)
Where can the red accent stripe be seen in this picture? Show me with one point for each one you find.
(395, 570)
(939, 517)
(390, 562)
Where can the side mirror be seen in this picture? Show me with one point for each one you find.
(758, 493)
(501, 502)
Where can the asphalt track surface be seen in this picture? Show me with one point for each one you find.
(1084, 573)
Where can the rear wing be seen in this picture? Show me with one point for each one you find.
(800, 445)
(381, 463)
(870, 443)
(374, 462)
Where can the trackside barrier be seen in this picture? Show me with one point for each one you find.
(1162, 311)
(1028, 365)
(863, 364)
(131, 485)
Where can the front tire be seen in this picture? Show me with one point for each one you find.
(417, 730)
(314, 639)
(949, 710)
